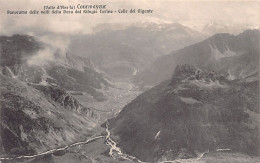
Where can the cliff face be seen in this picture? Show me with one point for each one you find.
(194, 112)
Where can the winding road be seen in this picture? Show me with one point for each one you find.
(52, 150)
(115, 152)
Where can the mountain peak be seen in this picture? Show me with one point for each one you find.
(189, 72)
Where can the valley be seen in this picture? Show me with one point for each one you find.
(120, 94)
(197, 104)
(101, 147)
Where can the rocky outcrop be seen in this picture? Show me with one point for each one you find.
(194, 112)
(67, 101)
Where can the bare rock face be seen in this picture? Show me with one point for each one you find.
(66, 100)
(194, 112)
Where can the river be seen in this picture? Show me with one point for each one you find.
(115, 152)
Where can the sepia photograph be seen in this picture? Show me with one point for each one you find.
(146, 81)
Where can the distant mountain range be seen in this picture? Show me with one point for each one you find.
(123, 51)
(195, 111)
(214, 27)
(235, 55)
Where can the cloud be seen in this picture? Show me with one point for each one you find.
(193, 13)
(54, 49)
(42, 57)
(56, 42)
(55, 31)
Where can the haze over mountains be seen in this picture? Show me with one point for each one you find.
(123, 51)
(214, 27)
(235, 55)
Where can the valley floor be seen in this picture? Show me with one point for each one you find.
(118, 96)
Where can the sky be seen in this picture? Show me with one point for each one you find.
(191, 13)
(56, 31)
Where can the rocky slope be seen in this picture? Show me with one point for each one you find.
(123, 52)
(195, 111)
(38, 109)
(36, 117)
(236, 55)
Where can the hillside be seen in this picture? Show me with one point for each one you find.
(35, 117)
(234, 55)
(194, 112)
(38, 109)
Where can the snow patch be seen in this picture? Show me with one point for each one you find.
(189, 100)
(11, 72)
(208, 84)
(23, 134)
(134, 72)
(157, 135)
(221, 150)
(44, 78)
(230, 76)
(218, 55)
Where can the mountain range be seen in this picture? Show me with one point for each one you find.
(236, 56)
(194, 112)
(214, 27)
(38, 109)
(203, 96)
(123, 51)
